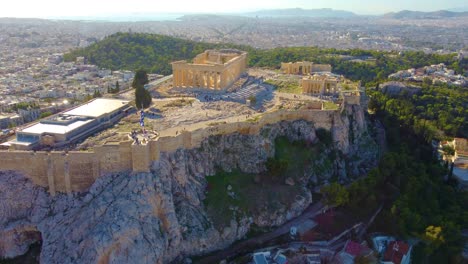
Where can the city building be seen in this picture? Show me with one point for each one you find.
(351, 250)
(4, 121)
(391, 250)
(459, 159)
(213, 69)
(72, 125)
(398, 252)
(437, 74)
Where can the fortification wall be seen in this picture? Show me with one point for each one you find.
(76, 171)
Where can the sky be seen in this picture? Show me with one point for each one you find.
(70, 8)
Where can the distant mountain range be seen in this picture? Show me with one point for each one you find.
(328, 12)
(406, 14)
(459, 9)
(294, 12)
(279, 13)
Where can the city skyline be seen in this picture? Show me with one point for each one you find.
(56, 8)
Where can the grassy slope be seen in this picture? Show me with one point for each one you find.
(271, 193)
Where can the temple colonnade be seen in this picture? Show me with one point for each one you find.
(216, 76)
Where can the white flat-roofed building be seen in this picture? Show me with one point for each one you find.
(72, 125)
(97, 107)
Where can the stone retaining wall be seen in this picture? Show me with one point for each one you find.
(76, 171)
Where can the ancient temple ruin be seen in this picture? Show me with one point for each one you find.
(328, 84)
(319, 84)
(304, 67)
(212, 69)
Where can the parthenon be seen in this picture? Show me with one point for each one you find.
(304, 67)
(212, 69)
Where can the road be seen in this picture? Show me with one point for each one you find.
(247, 245)
(159, 81)
(129, 93)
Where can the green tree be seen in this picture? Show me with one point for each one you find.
(140, 79)
(253, 99)
(45, 114)
(335, 194)
(448, 150)
(97, 94)
(117, 87)
(142, 97)
(427, 81)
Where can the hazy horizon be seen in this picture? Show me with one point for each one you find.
(106, 8)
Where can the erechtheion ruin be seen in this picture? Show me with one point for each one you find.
(213, 69)
(304, 67)
(328, 84)
(319, 84)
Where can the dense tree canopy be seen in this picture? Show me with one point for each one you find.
(409, 177)
(335, 194)
(134, 51)
(437, 112)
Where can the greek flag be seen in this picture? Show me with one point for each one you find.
(142, 118)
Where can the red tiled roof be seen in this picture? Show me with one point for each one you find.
(353, 248)
(395, 251)
(461, 145)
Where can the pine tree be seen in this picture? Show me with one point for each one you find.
(117, 87)
(142, 97)
(140, 79)
(97, 94)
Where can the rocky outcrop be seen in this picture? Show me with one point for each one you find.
(22, 206)
(399, 88)
(155, 217)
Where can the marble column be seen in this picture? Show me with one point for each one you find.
(217, 80)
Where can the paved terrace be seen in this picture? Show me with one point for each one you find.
(208, 109)
(251, 117)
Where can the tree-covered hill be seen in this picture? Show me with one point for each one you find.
(154, 53)
(133, 51)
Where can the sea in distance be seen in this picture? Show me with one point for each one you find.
(131, 17)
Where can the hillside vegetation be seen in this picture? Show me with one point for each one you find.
(133, 51)
(437, 112)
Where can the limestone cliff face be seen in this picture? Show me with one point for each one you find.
(155, 217)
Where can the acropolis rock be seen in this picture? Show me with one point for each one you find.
(157, 216)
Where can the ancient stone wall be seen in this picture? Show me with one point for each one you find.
(76, 171)
(304, 67)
